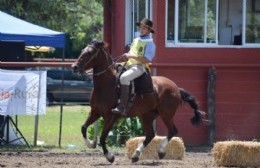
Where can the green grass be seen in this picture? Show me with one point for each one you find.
(48, 130)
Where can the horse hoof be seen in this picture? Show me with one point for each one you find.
(161, 155)
(90, 144)
(135, 159)
(110, 157)
(94, 144)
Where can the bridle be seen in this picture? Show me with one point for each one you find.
(107, 57)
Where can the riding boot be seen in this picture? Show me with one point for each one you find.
(121, 108)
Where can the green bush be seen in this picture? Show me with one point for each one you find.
(121, 132)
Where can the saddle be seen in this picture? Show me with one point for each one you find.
(141, 85)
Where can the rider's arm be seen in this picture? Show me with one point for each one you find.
(148, 55)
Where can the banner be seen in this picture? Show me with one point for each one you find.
(22, 92)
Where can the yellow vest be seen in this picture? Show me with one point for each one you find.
(137, 48)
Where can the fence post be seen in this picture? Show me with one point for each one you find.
(154, 121)
(211, 104)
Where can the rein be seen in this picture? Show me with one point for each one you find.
(107, 54)
(93, 55)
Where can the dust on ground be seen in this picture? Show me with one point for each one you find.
(194, 158)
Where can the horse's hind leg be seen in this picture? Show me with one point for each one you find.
(93, 116)
(147, 122)
(172, 131)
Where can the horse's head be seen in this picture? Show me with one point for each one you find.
(89, 56)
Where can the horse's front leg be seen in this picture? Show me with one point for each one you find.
(93, 116)
(108, 125)
(149, 135)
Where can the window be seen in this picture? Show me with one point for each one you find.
(56, 73)
(136, 10)
(252, 33)
(193, 20)
(171, 20)
(212, 22)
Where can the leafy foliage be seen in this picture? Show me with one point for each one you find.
(81, 20)
(122, 131)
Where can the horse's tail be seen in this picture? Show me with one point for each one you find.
(187, 97)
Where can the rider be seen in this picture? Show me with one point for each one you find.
(141, 53)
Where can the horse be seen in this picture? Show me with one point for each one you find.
(163, 101)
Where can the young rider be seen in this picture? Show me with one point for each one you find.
(141, 53)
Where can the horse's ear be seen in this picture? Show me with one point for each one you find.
(97, 43)
(105, 44)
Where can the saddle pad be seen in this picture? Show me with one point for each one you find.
(143, 84)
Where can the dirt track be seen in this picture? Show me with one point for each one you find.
(194, 158)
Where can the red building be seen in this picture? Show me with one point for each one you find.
(192, 36)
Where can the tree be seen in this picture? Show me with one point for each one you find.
(81, 20)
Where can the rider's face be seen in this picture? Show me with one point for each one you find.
(144, 30)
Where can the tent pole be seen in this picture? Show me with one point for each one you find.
(62, 89)
(36, 123)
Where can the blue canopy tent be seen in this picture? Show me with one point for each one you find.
(15, 29)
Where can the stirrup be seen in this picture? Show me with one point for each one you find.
(117, 111)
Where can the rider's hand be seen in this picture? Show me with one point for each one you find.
(127, 55)
(124, 57)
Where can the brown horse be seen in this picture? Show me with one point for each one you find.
(163, 102)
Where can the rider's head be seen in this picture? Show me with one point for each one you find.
(145, 27)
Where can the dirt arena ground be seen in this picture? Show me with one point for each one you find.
(194, 158)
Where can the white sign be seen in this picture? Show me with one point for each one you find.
(22, 92)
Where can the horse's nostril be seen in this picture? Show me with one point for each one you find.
(75, 68)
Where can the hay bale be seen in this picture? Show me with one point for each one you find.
(237, 153)
(174, 150)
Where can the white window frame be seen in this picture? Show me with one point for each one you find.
(129, 17)
(175, 43)
(244, 44)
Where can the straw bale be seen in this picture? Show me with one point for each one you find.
(174, 150)
(237, 153)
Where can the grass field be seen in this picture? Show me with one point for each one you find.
(49, 125)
